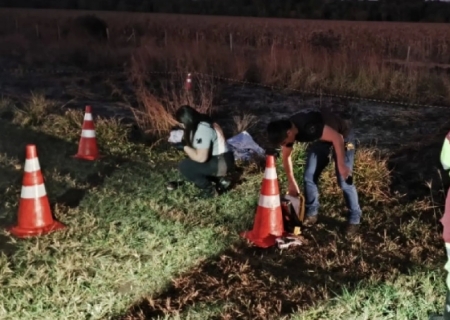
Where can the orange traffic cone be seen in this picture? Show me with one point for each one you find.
(87, 148)
(34, 216)
(188, 82)
(268, 224)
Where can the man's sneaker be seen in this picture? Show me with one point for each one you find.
(352, 229)
(223, 185)
(436, 317)
(310, 221)
(172, 185)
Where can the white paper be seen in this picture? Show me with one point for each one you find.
(176, 136)
(286, 242)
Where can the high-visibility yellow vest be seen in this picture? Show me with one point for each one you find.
(445, 153)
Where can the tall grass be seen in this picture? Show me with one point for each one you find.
(344, 58)
(158, 98)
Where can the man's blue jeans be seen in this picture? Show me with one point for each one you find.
(317, 159)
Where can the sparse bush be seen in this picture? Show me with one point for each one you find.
(243, 122)
(35, 110)
(7, 109)
(159, 99)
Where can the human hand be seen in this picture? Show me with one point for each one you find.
(273, 151)
(349, 180)
(178, 146)
(344, 171)
(293, 189)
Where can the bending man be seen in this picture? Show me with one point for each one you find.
(325, 130)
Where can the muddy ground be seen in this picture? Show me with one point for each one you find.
(411, 137)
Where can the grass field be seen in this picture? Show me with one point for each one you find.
(132, 250)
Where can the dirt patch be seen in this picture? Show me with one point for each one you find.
(97, 179)
(269, 284)
(7, 248)
(72, 197)
(381, 125)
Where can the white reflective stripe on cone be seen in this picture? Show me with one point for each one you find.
(270, 174)
(88, 116)
(269, 202)
(33, 192)
(88, 133)
(32, 165)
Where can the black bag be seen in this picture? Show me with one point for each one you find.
(290, 218)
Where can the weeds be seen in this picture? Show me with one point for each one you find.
(36, 110)
(243, 122)
(156, 107)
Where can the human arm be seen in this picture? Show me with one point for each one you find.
(198, 155)
(288, 169)
(331, 135)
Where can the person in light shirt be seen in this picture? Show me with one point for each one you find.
(209, 159)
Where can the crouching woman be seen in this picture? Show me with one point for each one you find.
(209, 159)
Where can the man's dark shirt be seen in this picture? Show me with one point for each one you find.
(310, 124)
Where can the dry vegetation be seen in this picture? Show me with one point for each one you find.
(352, 58)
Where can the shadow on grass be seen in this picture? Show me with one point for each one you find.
(268, 283)
(66, 179)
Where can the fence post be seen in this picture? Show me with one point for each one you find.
(272, 49)
(231, 41)
(407, 56)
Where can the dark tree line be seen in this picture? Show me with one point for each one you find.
(381, 10)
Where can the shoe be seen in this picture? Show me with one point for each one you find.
(173, 185)
(352, 229)
(310, 221)
(208, 193)
(436, 317)
(223, 185)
